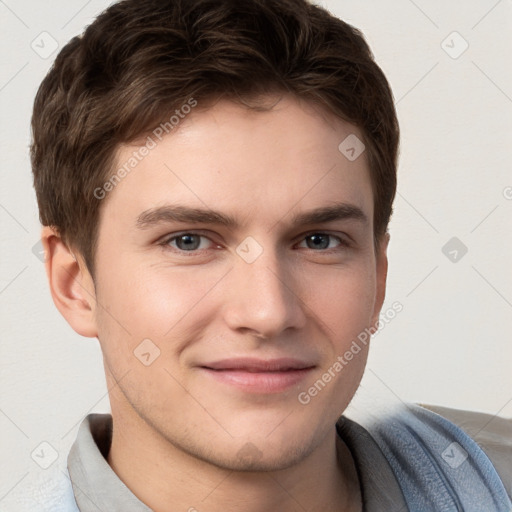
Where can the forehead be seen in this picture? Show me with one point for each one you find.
(255, 164)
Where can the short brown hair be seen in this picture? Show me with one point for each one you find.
(142, 59)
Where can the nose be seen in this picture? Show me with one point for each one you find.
(263, 296)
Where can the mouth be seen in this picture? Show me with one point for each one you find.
(258, 375)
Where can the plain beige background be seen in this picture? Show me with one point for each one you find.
(448, 64)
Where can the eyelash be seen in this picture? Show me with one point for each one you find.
(165, 242)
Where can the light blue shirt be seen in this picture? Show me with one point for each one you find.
(408, 459)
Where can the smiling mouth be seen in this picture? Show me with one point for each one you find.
(258, 376)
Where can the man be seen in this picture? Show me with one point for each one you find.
(215, 181)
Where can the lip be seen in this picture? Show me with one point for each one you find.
(258, 375)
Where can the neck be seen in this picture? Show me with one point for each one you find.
(166, 478)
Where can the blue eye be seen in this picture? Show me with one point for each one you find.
(321, 241)
(193, 243)
(188, 242)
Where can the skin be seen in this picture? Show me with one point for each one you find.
(180, 436)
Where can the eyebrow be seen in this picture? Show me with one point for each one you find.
(177, 213)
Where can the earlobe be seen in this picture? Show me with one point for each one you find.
(71, 284)
(381, 276)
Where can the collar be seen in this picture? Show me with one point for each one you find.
(97, 487)
(95, 484)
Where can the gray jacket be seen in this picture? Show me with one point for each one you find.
(416, 458)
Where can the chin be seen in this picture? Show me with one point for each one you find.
(252, 458)
(255, 453)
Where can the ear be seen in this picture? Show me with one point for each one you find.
(71, 284)
(381, 258)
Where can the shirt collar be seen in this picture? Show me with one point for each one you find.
(97, 487)
(95, 484)
(379, 487)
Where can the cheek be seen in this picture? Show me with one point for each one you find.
(343, 303)
(343, 299)
(137, 301)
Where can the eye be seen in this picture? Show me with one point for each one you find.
(186, 242)
(318, 241)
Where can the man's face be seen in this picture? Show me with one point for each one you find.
(245, 316)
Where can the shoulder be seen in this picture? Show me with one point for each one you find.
(49, 491)
(492, 433)
(437, 461)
